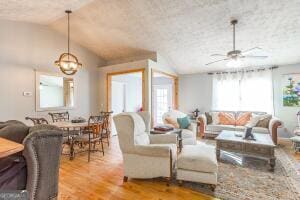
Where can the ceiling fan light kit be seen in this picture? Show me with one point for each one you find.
(67, 62)
(235, 56)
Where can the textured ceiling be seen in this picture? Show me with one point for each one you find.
(184, 32)
(37, 11)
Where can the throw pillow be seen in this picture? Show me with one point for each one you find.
(171, 121)
(183, 122)
(264, 122)
(255, 119)
(208, 118)
(243, 119)
(215, 118)
(227, 118)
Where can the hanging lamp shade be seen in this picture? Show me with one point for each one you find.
(67, 62)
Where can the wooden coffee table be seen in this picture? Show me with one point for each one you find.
(263, 147)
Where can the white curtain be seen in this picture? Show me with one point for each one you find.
(243, 91)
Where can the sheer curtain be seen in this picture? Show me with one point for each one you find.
(243, 91)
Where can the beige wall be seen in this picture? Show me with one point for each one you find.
(25, 47)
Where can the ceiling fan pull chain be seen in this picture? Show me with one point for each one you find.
(233, 37)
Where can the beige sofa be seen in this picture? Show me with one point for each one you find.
(189, 135)
(144, 155)
(213, 129)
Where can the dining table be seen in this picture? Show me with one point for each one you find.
(71, 130)
(8, 147)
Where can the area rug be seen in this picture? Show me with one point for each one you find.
(245, 178)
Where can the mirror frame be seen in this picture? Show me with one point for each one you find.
(37, 92)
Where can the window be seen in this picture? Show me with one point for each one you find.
(162, 103)
(243, 91)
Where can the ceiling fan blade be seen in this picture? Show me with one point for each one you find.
(258, 57)
(216, 61)
(249, 50)
(218, 55)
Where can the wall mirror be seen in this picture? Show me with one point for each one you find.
(54, 92)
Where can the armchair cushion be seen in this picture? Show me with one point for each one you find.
(192, 127)
(163, 139)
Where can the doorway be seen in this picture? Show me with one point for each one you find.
(125, 93)
(164, 95)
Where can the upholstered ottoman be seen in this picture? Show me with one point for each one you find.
(198, 163)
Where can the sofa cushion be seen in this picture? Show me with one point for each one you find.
(200, 157)
(260, 130)
(226, 118)
(219, 128)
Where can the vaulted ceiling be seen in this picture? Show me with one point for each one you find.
(184, 32)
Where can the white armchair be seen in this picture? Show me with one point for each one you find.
(144, 155)
(189, 135)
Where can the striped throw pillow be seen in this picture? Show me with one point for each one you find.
(243, 119)
(226, 118)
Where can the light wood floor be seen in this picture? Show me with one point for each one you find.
(102, 178)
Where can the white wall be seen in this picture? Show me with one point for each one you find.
(287, 114)
(195, 91)
(133, 91)
(25, 47)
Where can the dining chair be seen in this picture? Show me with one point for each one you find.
(37, 121)
(106, 131)
(60, 116)
(68, 134)
(92, 135)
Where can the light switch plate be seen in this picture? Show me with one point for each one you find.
(27, 94)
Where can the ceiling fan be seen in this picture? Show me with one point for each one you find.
(234, 57)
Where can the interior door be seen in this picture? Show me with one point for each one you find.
(162, 101)
(117, 101)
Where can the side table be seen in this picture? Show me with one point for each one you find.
(174, 131)
(296, 143)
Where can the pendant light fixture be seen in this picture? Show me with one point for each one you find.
(67, 62)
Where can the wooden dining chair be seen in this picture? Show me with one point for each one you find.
(92, 135)
(37, 121)
(106, 131)
(60, 116)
